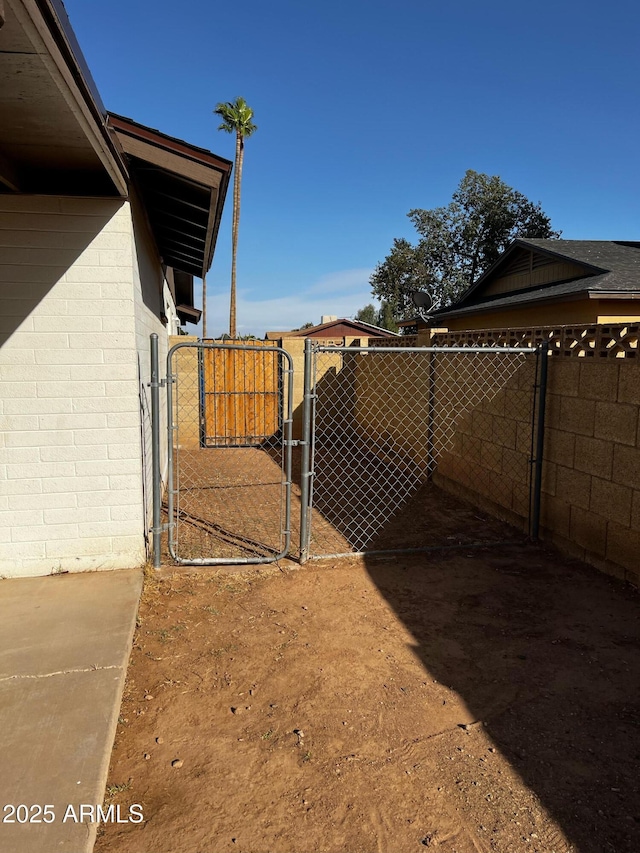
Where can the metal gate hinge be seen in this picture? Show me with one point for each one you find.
(160, 384)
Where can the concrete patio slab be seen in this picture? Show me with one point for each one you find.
(64, 645)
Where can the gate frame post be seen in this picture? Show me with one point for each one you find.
(305, 475)
(155, 452)
(431, 405)
(543, 357)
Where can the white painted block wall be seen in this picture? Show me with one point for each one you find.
(71, 469)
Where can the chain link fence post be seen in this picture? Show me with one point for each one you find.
(155, 452)
(543, 359)
(305, 474)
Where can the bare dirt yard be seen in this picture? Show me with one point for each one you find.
(471, 700)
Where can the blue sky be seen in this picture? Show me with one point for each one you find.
(368, 109)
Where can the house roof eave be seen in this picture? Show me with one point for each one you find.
(487, 307)
(183, 188)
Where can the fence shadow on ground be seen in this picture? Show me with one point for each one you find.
(545, 654)
(390, 505)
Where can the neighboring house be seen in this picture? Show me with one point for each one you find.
(103, 224)
(546, 282)
(334, 330)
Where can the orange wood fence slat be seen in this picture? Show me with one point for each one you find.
(241, 395)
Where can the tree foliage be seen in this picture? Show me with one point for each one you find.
(383, 317)
(457, 243)
(368, 314)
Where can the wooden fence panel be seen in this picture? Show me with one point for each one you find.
(241, 395)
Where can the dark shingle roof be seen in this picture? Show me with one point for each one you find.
(610, 267)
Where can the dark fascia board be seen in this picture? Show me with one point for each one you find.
(170, 143)
(188, 314)
(55, 16)
(520, 243)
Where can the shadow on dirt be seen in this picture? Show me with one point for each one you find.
(545, 653)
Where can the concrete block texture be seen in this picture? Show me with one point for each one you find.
(589, 531)
(577, 415)
(623, 547)
(626, 465)
(594, 456)
(617, 422)
(629, 382)
(559, 447)
(574, 487)
(70, 381)
(611, 500)
(598, 379)
(564, 377)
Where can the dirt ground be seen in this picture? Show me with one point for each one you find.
(471, 700)
(231, 504)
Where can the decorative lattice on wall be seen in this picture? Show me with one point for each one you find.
(605, 341)
(395, 341)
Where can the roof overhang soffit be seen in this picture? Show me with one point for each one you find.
(183, 189)
(47, 87)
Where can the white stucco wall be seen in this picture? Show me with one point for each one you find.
(73, 355)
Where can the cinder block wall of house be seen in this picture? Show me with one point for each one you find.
(71, 479)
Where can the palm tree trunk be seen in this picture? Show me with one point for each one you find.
(234, 232)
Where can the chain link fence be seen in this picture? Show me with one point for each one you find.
(403, 449)
(399, 435)
(228, 496)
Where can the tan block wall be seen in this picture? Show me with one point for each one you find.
(487, 462)
(478, 442)
(295, 348)
(592, 444)
(590, 505)
(329, 377)
(186, 392)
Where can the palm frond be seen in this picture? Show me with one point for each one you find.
(236, 117)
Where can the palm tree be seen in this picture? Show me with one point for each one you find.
(236, 118)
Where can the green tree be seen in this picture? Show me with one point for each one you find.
(386, 316)
(368, 314)
(383, 318)
(457, 243)
(236, 118)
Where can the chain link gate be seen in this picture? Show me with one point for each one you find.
(229, 453)
(394, 437)
(401, 447)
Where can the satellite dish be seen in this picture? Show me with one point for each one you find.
(422, 300)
